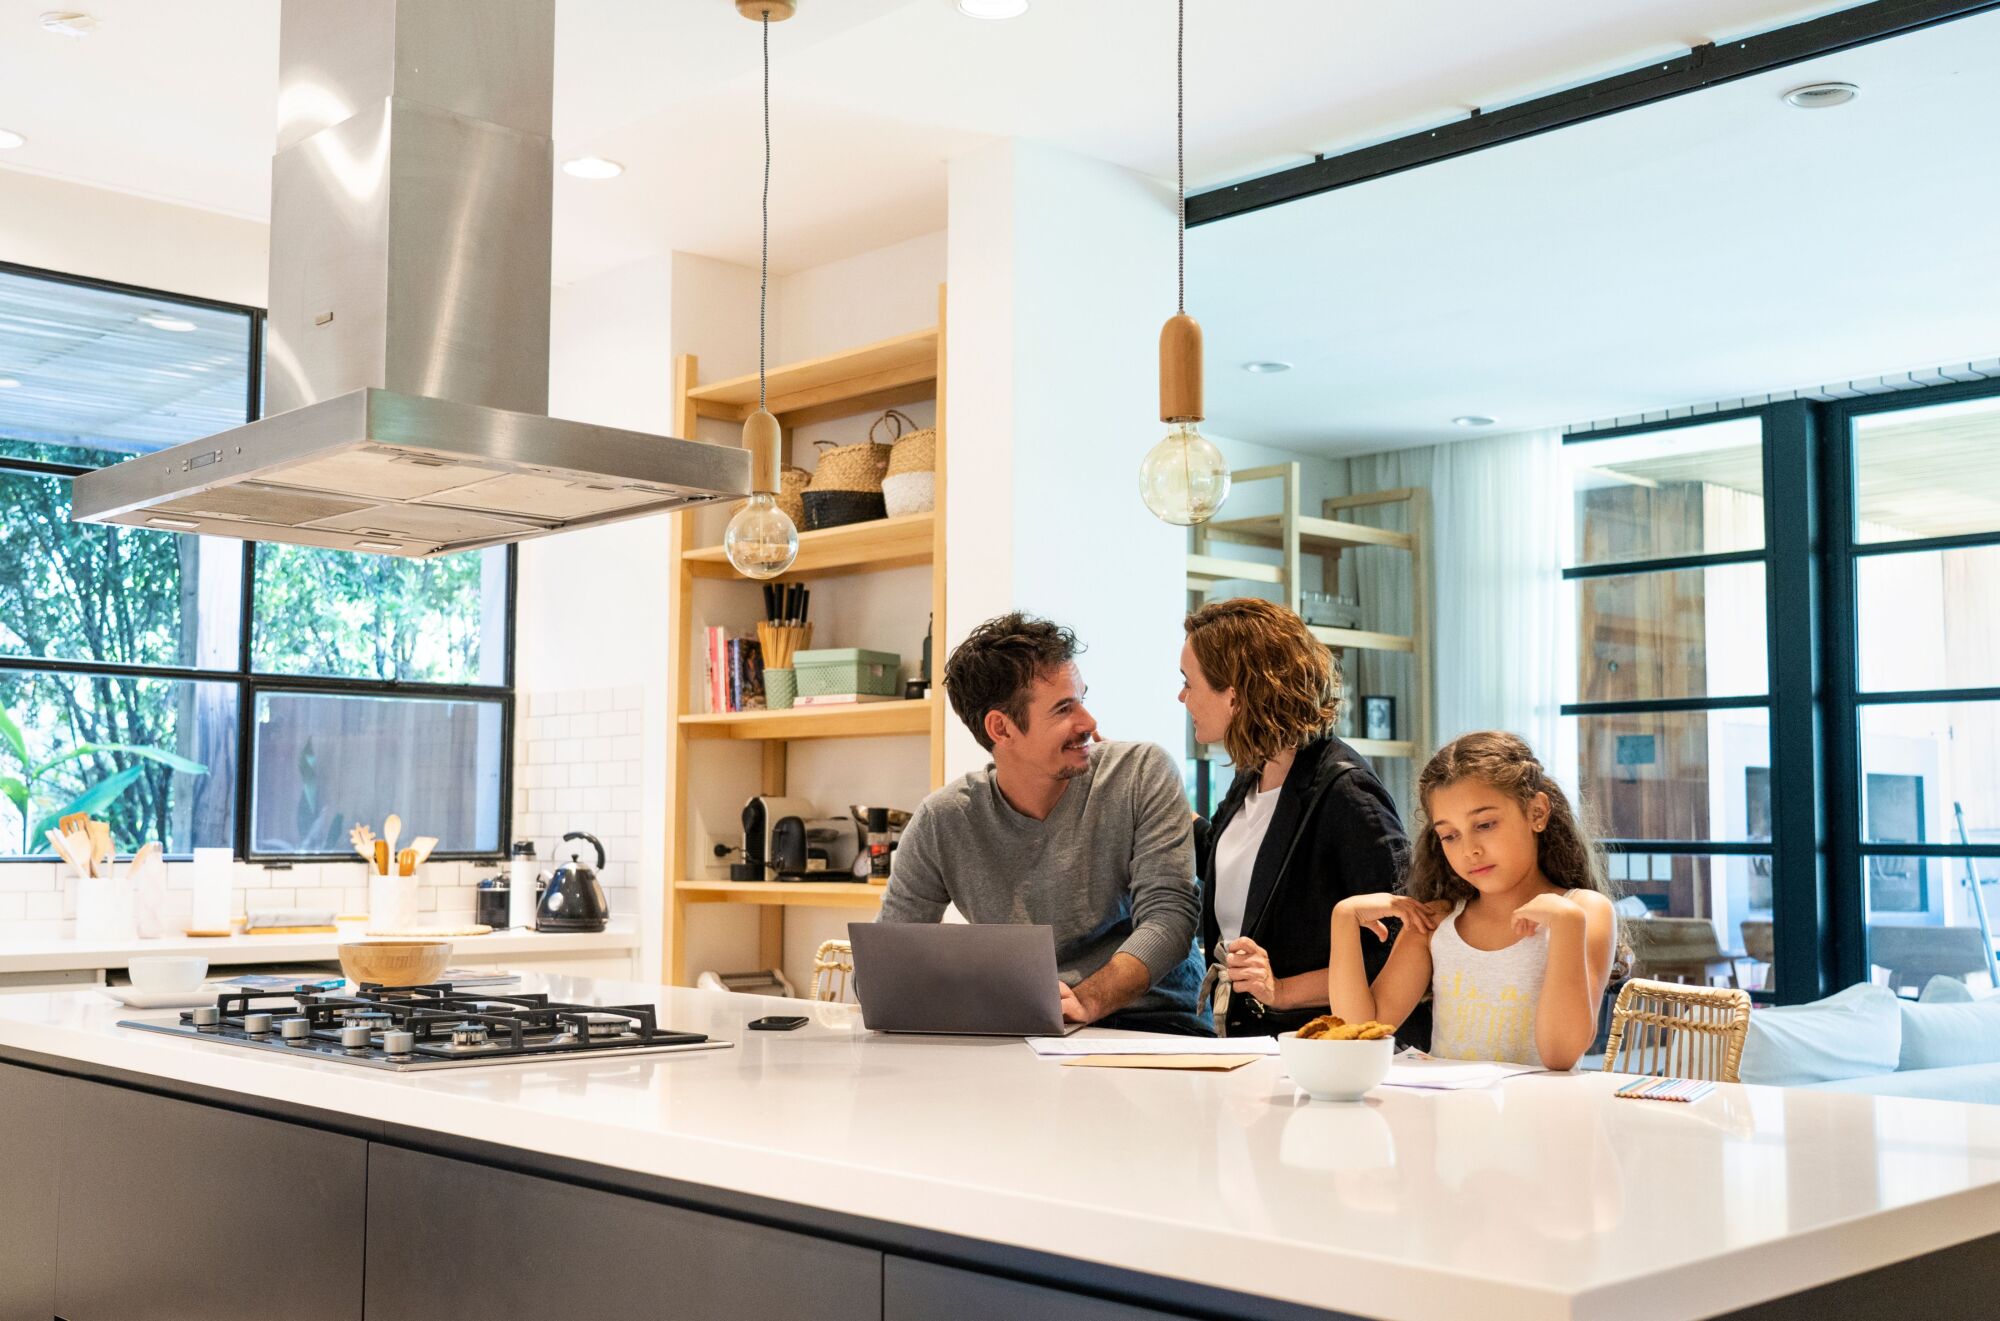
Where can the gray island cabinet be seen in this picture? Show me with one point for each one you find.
(830, 1174)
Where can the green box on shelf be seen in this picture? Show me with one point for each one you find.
(837, 671)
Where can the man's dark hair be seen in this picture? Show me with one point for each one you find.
(996, 665)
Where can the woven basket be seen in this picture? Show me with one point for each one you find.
(850, 468)
(792, 482)
(914, 451)
(839, 508)
(909, 492)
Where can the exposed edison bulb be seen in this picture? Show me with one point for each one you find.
(761, 541)
(1184, 479)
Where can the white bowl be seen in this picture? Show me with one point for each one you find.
(167, 972)
(1335, 1070)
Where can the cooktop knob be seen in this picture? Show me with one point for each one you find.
(355, 1036)
(397, 1043)
(206, 1016)
(295, 1031)
(257, 1025)
(469, 1034)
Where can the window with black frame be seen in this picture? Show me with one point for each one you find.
(1924, 551)
(1672, 722)
(207, 692)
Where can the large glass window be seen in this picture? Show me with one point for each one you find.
(1672, 724)
(1926, 578)
(366, 685)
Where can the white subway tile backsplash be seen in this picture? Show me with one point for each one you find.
(43, 906)
(597, 699)
(14, 907)
(568, 703)
(630, 699)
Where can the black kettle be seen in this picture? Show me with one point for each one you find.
(574, 900)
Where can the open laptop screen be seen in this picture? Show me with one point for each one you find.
(987, 980)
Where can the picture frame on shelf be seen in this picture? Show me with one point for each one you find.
(1378, 718)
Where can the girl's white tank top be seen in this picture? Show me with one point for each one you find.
(1483, 1002)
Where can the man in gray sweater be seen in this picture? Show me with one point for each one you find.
(1091, 838)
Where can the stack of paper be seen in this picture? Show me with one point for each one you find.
(1161, 1044)
(1422, 1073)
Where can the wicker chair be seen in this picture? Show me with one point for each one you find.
(833, 964)
(1663, 1030)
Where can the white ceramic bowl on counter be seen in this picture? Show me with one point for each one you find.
(167, 972)
(1335, 1070)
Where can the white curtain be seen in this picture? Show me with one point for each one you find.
(1502, 619)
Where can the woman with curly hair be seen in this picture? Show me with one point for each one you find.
(1305, 824)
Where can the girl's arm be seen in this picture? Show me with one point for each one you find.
(1403, 980)
(1580, 924)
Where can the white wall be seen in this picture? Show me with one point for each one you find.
(61, 226)
(1061, 274)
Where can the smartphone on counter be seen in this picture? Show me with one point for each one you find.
(778, 1023)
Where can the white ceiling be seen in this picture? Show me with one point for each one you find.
(175, 99)
(1712, 247)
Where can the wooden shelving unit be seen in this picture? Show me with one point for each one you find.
(885, 374)
(1295, 534)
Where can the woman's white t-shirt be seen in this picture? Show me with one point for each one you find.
(1236, 858)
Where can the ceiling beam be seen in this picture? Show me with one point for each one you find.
(1704, 66)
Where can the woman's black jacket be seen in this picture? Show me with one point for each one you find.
(1334, 833)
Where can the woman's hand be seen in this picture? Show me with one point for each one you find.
(1545, 911)
(1249, 971)
(1372, 909)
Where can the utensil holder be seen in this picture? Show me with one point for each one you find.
(781, 688)
(104, 910)
(392, 902)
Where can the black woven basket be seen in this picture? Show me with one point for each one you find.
(839, 508)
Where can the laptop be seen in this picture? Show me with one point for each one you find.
(993, 980)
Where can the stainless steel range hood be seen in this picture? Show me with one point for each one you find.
(407, 344)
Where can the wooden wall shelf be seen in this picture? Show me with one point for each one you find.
(884, 374)
(860, 720)
(882, 543)
(827, 894)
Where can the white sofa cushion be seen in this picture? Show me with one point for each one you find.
(1945, 1036)
(1969, 1082)
(1854, 1033)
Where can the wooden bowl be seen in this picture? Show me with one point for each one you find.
(395, 962)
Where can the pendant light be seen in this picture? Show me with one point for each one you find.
(1184, 479)
(762, 541)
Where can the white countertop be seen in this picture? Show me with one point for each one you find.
(1541, 1198)
(63, 955)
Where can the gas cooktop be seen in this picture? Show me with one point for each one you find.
(425, 1027)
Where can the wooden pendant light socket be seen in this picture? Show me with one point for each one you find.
(1180, 370)
(779, 10)
(765, 442)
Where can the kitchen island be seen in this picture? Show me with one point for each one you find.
(828, 1173)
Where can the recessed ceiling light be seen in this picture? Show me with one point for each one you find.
(1819, 96)
(10, 140)
(1266, 368)
(9, 383)
(592, 167)
(993, 8)
(1472, 420)
(68, 22)
(161, 321)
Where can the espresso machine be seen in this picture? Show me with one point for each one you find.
(774, 838)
